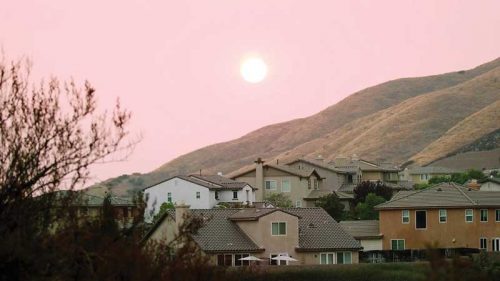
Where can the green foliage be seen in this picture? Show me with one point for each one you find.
(163, 209)
(279, 200)
(419, 186)
(331, 204)
(365, 210)
(364, 188)
(459, 178)
(439, 179)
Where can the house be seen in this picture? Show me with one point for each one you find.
(447, 214)
(367, 232)
(364, 170)
(88, 206)
(308, 235)
(422, 175)
(333, 179)
(272, 178)
(199, 191)
(490, 184)
(345, 198)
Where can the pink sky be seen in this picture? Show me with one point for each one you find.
(175, 64)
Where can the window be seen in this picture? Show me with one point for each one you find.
(270, 185)
(469, 215)
(228, 260)
(420, 219)
(278, 228)
(316, 184)
(497, 215)
(443, 216)
(198, 195)
(397, 244)
(309, 184)
(235, 195)
(298, 204)
(169, 197)
(238, 262)
(326, 258)
(276, 262)
(344, 258)
(495, 244)
(216, 195)
(405, 216)
(483, 243)
(483, 215)
(424, 177)
(285, 186)
(349, 178)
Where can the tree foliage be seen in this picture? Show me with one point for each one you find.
(364, 188)
(279, 200)
(459, 178)
(366, 210)
(331, 204)
(163, 209)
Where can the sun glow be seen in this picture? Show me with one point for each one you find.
(253, 70)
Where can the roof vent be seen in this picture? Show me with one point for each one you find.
(311, 225)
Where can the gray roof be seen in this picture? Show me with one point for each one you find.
(254, 213)
(365, 229)
(223, 182)
(320, 232)
(318, 163)
(442, 195)
(347, 187)
(317, 231)
(214, 182)
(365, 165)
(303, 173)
(432, 170)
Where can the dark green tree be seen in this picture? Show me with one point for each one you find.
(279, 200)
(163, 209)
(366, 187)
(365, 210)
(331, 204)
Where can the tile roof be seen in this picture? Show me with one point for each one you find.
(364, 229)
(365, 165)
(222, 181)
(317, 163)
(442, 195)
(303, 173)
(214, 182)
(254, 213)
(318, 231)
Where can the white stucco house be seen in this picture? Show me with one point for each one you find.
(197, 191)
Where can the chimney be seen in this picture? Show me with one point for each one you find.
(181, 213)
(319, 158)
(473, 185)
(340, 161)
(259, 174)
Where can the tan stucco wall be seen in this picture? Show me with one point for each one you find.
(299, 186)
(416, 177)
(260, 233)
(372, 176)
(465, 234)
(371, 244)
(332, 180)
(165, 232)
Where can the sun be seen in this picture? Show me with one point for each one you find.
(253, 70)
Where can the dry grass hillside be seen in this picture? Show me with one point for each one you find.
(395, 121)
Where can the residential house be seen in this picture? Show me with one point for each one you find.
(333, 179)
(199, 191)
(308, 235)
(296, 183)
(367, 171)
(345, 198)
(447, 214)
(367, 232)
(490, 184)
(422, 175)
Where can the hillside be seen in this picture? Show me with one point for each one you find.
(421, 119)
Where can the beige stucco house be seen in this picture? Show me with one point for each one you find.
(422, 175)
(308, 235)
(296, 183)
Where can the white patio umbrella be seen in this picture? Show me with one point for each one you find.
(250, 258)
(283, 258)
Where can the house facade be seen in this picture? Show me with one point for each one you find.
(308, 235)
(199, 191)
(490, 184)
(422, 175)
(295, 183)
(445, 215)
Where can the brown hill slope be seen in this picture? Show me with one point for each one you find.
(394, 120)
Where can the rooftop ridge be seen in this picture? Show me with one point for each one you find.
(463, 193)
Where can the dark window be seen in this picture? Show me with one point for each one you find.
(273, 262)
(220, 259)
(216, 195)
(497, 215)
(235, 194)
(349, 178)
(420, 219)
(484, 215)
(228, 260)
